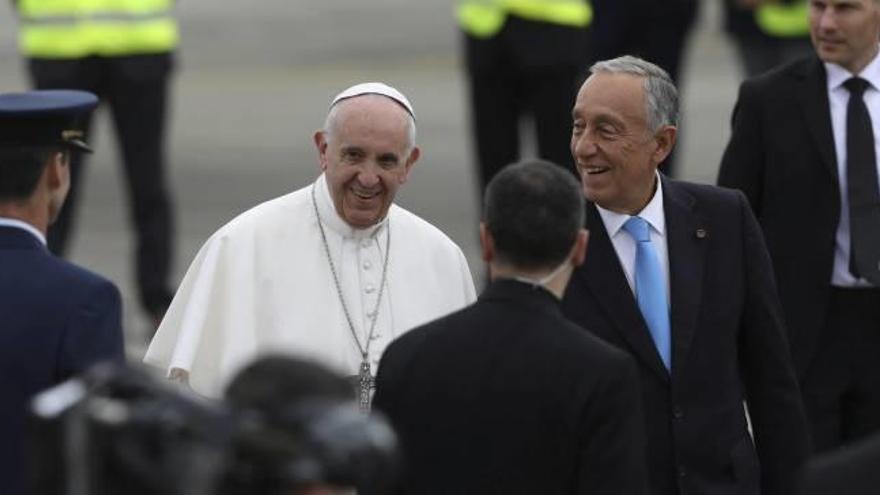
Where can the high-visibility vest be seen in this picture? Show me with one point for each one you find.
(68, 29)
(484, 18)
(784, 20)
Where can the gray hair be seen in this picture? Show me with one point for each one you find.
(332, 115)
(660, 92)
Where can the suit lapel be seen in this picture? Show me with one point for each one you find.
(686, 242)
(605, 279)
(812, 95)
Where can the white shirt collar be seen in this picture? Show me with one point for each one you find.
(331, 218)
(12, 222)
(837, 75)
(652, 213)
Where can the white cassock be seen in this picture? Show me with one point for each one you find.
(262, 283)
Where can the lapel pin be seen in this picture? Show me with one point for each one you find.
(701, 233)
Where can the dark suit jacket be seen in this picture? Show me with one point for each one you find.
(728, 345)
(507, 397)
(781, 155)
(854, 470)
(55, 321)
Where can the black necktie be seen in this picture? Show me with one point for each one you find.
(862, 187)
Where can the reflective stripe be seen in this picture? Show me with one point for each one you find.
(45, 8)
(99, 38)
(784, 20)
(567, 13)
(77, 28)
(479, 20)
(484, 18)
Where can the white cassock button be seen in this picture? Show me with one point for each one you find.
(365, 243)
(376, 336)
(367, 265)
(371, 314)
(370, 288)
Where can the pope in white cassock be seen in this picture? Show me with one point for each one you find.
(333, 272)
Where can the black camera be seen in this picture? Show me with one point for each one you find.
(117, 430)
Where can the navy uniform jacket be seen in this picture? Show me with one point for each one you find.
(728, 346)
(508, 397)
(56, 320)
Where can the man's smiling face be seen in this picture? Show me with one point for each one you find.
(366, 156)
(615, 150)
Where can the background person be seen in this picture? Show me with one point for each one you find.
(122, 52)
(803, 149)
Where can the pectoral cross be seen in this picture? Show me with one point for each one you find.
(365, 385)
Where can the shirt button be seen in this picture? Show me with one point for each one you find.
(681, 472)
(376, 336)
(365, 243)
(677, 412)
(370, 288)
(371, 314)
(367, 265)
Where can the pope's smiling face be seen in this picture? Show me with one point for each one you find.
(366, 155)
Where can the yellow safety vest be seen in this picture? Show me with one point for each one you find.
(484, 18)
(784, 20)
(67, 29)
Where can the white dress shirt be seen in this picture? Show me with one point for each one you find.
(625, 245)
(18, 224)
(838, 98)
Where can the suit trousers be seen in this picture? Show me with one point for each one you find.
(136, 90)
(841, 385)
(531, 69)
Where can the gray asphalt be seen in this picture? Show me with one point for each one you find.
(253, 84)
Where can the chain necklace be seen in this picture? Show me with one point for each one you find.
(365, 380)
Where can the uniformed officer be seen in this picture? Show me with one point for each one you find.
(56, 319)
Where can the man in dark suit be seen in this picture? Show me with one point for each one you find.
(803, 150)
(679, 277)
(507, 396)
(56, 319)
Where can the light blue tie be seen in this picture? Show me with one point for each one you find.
(651, 288)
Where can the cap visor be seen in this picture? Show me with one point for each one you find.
(79, 145)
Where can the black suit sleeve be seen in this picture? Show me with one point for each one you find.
(742, 165)
(850, 471)
(385, 383)
(612, 442)
(772, 395)
(94, 330)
